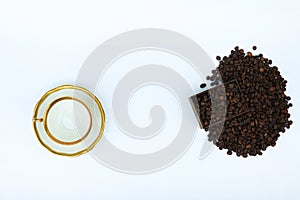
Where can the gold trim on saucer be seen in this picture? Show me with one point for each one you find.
(36, 120)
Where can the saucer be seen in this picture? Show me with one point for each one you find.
(68, 120)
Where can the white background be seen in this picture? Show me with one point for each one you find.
(43, 45)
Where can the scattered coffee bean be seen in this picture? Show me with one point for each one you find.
(203, 85)
(218, 58)
(254, 48)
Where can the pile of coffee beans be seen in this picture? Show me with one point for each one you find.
(255, 101)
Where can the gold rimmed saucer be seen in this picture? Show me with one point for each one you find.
(68, 120)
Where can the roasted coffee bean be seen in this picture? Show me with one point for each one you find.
(250, 109)
(218, 58)
(203, 85)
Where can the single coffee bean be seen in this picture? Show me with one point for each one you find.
(254, 48)
(203, 85)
